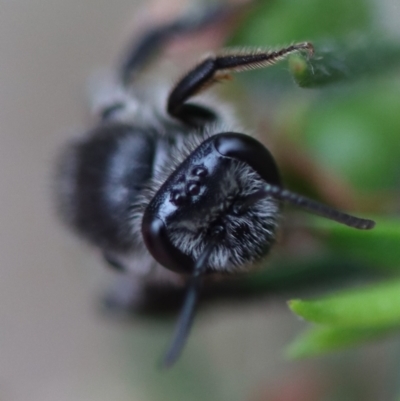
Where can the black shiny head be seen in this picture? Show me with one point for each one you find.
(227, 193)
(204, 201)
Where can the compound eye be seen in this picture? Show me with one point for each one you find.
(159, 245)
(246, 149)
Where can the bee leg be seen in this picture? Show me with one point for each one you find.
(219, 68)
(141, 51)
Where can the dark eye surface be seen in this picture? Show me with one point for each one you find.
(248, 150)
(159, 245)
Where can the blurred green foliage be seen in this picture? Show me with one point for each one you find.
(356, 134)
(374, 306)
(349, 124)
(322, 339)
(378, 249)
(278, 22)
(347, 318)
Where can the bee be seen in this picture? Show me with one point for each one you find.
(167, 186)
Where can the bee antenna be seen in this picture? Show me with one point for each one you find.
(186, 316)
(309, 205)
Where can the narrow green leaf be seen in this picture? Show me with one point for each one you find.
(321, 340)
(338, 61)
(373, 306)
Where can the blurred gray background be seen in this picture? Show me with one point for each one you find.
(54, 345)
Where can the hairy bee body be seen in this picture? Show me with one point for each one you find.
(107, 178)
(169, 188)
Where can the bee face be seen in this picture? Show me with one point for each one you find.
(245, 233)
(208, 193)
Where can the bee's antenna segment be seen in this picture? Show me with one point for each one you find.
(186, 316)
(309, 205)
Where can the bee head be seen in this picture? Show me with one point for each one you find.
(209, 200)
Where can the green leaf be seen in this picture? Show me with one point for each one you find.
(320, 340)
(369, 307)
(338, 61)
